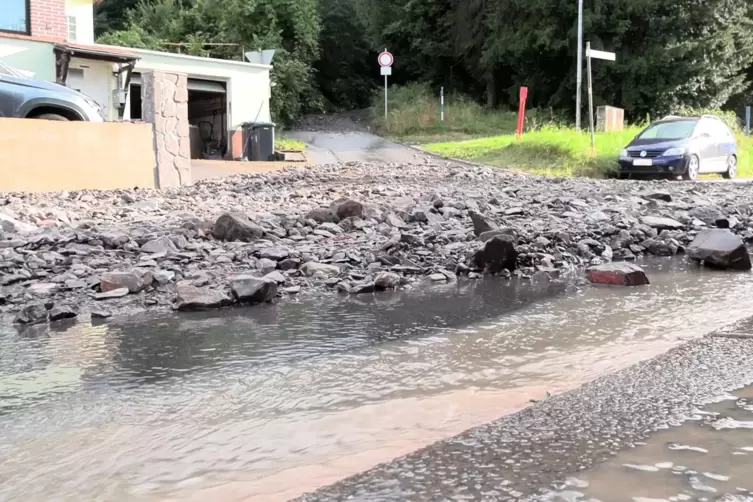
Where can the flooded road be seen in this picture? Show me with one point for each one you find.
(266, 403)
(710, 457)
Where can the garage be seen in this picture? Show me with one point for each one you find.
(207, 115)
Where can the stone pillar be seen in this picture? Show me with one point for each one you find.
(164, 98)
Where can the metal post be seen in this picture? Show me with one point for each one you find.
(590, 95)
(579, 70)
(385, 98)
(747, 120)
(441, 104)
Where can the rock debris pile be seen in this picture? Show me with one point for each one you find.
(353, 229)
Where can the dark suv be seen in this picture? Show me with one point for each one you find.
(681, 146)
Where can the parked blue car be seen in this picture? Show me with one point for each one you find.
(675, 147)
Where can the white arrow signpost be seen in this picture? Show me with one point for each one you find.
(593, 54)
(385, 61)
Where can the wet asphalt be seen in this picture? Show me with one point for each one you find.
(527, 454)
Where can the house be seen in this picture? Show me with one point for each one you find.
(54, 40)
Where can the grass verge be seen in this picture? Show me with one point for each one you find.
(289, 145)
(554, 151)
(549, 146)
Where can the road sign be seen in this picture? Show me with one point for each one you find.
(386, 70)
(385, 59)
(606, 56)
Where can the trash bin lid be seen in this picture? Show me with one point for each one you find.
(254, 125)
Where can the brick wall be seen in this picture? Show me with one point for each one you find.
(48, 18)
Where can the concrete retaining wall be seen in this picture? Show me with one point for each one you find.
(41, 155)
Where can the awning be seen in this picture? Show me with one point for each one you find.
(96, 52)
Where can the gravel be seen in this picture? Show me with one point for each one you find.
(337, 230)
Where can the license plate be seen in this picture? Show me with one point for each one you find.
(643, 162)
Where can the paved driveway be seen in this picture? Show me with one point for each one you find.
(338, 147)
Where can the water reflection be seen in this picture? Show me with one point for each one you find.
(251, 400)
(708, 458)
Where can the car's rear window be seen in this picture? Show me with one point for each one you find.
(669, 130)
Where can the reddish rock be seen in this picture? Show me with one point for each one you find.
(617, 274)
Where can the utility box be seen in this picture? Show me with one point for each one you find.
(610, 119)
(259, 141)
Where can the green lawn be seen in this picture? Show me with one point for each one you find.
(558, 151)
(289, 145)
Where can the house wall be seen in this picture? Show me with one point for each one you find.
(43, 155)
(83, 11)
(98, 83)
(248, 85)
(29, 55)
(47, 18)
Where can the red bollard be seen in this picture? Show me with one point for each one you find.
(522, 111)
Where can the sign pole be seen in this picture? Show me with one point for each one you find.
(747, 120)
(385, 98)
(579, 69)
(590, 95)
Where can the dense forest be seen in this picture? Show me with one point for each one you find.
(671, 53)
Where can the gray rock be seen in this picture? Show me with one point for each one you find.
(661, 223)
(437, 277)
(32, 314)
(275, 276)
(274, 253)
(332, 228)
(164, 276)
(190, 298)
(395, 221)
(347, 208)
(480, 225)
(660, 195)
(250, 289)
(43, 288)
(617, 274)
(292, 290)
(159, 245)
(112, 294)
(12, 225)
(497, 254)
(312, 268)
(132, 281)
(361, 288)
(100, 313)
(486, 236)
(387, 280)
(707, 214)
(236, 227)
(719, 248)
(322, 215)
(60, 312)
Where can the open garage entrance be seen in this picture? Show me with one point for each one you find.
(207, 115)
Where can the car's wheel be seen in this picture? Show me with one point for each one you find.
(731, 171)
(51, 116)
(694, 166)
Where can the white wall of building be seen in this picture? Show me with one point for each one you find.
(96, 80)
(82, 11)
(31, 56)
(248, 85)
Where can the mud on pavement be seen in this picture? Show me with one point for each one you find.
(527, 455)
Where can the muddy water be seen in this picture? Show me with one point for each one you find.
(709, 457)
(266, 403)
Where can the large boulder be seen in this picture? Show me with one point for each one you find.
(617, 274)
(498, 254)
(386, 280)
(480, 225)
(347, 208)
(250, 289)
(707, 214)
(133, 281)
(191, 298)
(236, 227)
(719, 248)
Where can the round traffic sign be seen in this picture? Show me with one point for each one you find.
(386, 59)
